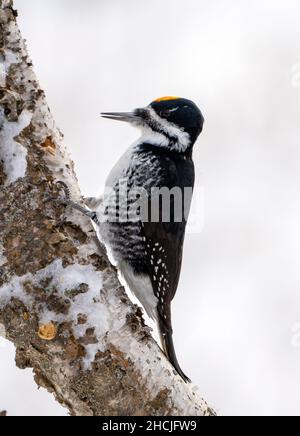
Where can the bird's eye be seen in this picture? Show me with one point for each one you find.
(165, 113)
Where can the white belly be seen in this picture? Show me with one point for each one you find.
(141, 286)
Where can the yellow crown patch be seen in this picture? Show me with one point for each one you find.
(169, 97)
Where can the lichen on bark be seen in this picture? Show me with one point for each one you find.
(56, 282)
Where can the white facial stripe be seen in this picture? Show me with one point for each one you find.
(182, 138)
(149, 136)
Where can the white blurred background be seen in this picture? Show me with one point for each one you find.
(238, 304)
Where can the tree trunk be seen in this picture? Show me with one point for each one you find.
(61, 303)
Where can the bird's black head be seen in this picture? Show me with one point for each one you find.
(173, 123)
(182, 113)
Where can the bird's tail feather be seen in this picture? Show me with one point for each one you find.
(168, 346)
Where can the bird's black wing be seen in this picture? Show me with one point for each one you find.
(164, 239)
(164, 250)
(164, 243)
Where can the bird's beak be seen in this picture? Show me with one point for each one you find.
(129, 117)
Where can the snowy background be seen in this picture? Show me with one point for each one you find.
(237, 311)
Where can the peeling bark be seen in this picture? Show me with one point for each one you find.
(61, 303)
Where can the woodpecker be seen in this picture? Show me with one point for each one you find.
(148, 252)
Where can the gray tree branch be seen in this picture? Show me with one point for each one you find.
(61, 303)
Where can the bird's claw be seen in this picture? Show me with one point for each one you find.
(65, 189)
(68, 202)
(67, 195)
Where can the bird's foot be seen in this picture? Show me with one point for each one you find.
(66, 201)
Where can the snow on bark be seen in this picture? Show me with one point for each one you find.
(12, 154)
(61, 303)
